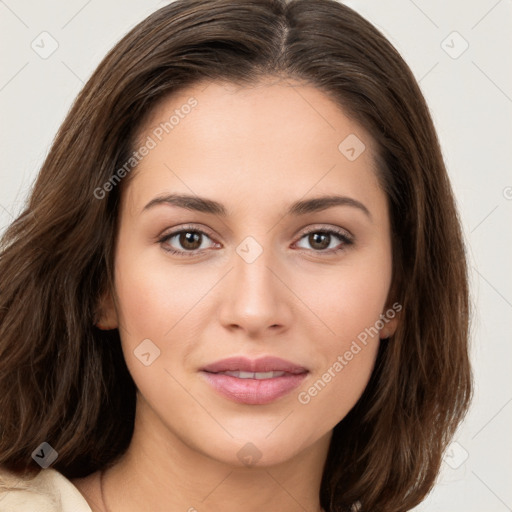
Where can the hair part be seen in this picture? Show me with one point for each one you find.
(64, 381)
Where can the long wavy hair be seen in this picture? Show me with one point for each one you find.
(64, 381)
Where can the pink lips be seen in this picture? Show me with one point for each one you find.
(254, 391)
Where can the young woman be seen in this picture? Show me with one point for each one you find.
(239, 282)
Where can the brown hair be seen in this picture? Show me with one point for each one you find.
(65, 382)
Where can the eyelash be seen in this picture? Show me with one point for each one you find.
(342, 235)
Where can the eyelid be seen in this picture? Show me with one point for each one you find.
(186, 227)
(329, 229)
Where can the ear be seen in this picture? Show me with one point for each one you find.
(106, 313)
(392, 314)
(391, 319)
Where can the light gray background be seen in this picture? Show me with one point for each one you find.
(471, 101)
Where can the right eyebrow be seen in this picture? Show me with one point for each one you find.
(195, 203)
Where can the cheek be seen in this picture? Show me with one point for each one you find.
(347, 348)
(164, 303)
(153, 296)
(347, 298)
(152, 305)
(348, 304)
(330, 396)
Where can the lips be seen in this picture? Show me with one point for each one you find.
(254, 382)
(263, 365)
(252, 375)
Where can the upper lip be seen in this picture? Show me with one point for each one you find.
(263, 364)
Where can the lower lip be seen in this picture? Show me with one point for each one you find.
(254, 391)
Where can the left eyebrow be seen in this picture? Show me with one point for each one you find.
(322, 203)
(204, 205)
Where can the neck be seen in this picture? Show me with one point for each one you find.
(161, 472)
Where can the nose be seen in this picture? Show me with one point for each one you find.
(255, 298)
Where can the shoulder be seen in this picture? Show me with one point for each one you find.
(48, 491)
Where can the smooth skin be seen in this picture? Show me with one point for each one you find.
(256, 150)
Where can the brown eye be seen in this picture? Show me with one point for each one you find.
(319, 240)
(189, 240)
(185, 242)
(326, 240)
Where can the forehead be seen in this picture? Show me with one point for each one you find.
(274, 137)
(279, 107)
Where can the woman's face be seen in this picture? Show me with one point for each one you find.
(264, 267)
